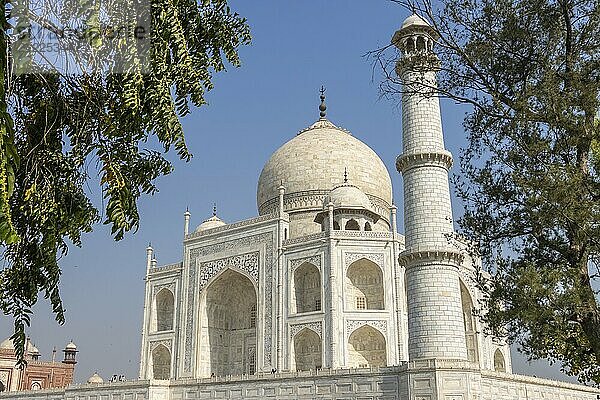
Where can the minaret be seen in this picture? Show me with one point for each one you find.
(186, 225)
(435, 318)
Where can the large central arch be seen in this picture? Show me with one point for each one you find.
(228, 334)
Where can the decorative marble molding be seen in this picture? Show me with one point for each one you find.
(440, 158)
(193, 291)
(316, 327)
(157, 288)
(352, 325)
(314, 260)
(167, 343)
(308, 199)
(245, 262)
(377, 258)
(409, 258)
(304, 239)
(165, 268)
(468, 279)
(363, 234)
(189, 324)
(5, 378)
(380, 206)
(312, 200)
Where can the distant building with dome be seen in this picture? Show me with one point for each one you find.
(38, 374)
(319, 296)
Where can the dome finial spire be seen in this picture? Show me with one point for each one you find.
(322, 107)
(214, 209)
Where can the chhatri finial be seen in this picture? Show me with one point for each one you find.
(322, 107)
(345, 175)
(214, 209)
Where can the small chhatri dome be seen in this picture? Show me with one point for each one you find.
(71, 346)
(414, 21)
(33, 350)
(95, 379)
(348, 196)
(212, 222)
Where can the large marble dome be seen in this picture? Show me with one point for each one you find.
(311, 164)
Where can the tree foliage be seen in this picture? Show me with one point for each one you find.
(530, 173)
(61, 131)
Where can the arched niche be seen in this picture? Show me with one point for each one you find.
(164, 306)
(368, 227)
(308, 353)
(499, 363)
(307, 288)
(366, 348)
(470, 324)
(364, 286)
(161, 363)
(228, 338)
(352, 225)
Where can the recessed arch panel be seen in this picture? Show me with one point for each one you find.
(366, 348)
(364, 286)
(308, 353)
(161, 362)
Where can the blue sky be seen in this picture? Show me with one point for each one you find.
(297, 47)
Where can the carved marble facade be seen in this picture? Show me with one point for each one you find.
(313, 282)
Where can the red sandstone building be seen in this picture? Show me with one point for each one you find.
(37, 374)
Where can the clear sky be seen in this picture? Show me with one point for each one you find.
(297, 47)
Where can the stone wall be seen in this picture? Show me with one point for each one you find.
(501, 386)
(136, 390)
(431, 380)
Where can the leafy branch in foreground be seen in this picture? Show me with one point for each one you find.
(58, 131)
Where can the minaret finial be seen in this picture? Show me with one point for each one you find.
(322, 107)
(345, 175)
(214, 209)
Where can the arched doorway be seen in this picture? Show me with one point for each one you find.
(366, 348)
(307, 288)
(470, 324)
(161, 363)
(228, 340)
(499, 365)
(164, 310)
(308, 352)
(364, 286)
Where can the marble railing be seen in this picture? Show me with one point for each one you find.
(294, 374)
(235, 225)
(168, 267)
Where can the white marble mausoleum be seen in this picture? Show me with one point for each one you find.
(319, 296)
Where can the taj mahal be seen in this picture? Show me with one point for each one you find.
(319, 296)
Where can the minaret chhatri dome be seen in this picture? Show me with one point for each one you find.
(311, 164)
(212, 222)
